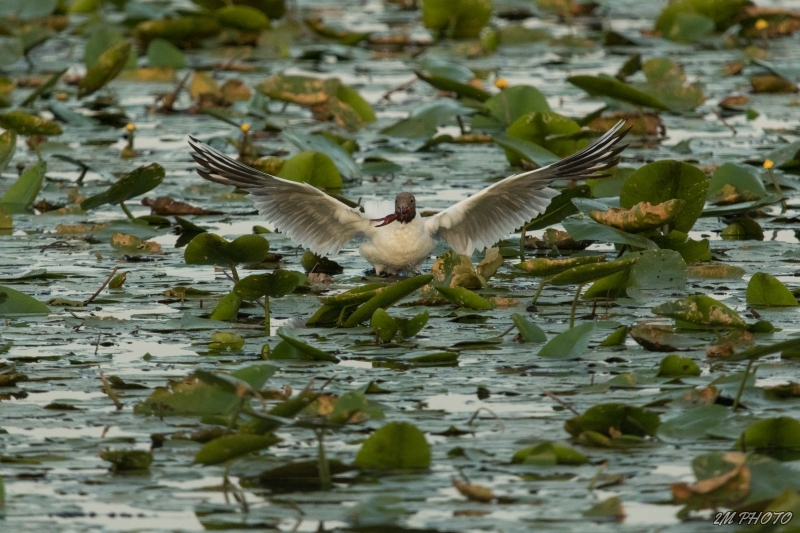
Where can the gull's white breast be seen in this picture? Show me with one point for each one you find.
(397, 247)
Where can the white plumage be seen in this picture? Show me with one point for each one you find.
(323, 224)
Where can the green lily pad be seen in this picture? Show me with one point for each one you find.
(778, 437)
(179, 31)
(276, 284)
(232, 447)
(585, 273)
(465, 298)
(700, 312)
(320, 143)
(308, 351)
(395, 446)
(163, 54)
(609, 418)
(549, 453)
(314, 168)
(570, 344)
(745, 180)
(211, 249)
(507, 106)
(666, 180)
(613, 88)
(384, 326)
(549, 130)
(386, 298)
(24, 190)
(227, 308)
(106, 68)
(519, 150)
(451, 78)
(528, 331)
(138, 182)
(678, 366)
(127, 460)
(457, 19)
(766, 289)
(241, 17)
(423, 121)
(23, 123)
(13, 303)
(581, 227)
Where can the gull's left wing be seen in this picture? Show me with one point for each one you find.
(486, 217)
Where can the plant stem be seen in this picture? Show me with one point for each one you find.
(741, 387)
(574, 305)
(538, 292)
(125, 208)
(266, 315)
(324, 467)
(778, 188)
(522, 243)
(234, 273)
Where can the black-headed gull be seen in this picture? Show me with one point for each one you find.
(402, 240)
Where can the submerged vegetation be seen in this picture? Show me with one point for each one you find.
(168, 362)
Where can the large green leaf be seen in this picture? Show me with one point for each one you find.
(395, 446)
(464, 298)
(581, 274)
(319, 143)
(766, 289)
(518, 150)
(106, 68)
(231, 447)
(423, 121)
(778, 437)
(528, 331)
(549, 130)
(570, 344)
(510, 104)
(138, 182)
(613, 88)
(274, 285)
(179, 31)
(163, 54)
(458, 19)
(700, 312)
(451, 78)
(609, 418)
(243, 18)
(580, 227)
(13, 302)
(24, 190)
(26, 124)
(308, 351)
(745, 179)
(314, 168)
(386, 298)
(665, 180)
(211, 249)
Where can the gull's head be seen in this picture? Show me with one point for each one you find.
(405, 207)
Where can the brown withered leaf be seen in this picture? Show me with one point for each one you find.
(734, 103)
(659, 338)
(723, 350)
(641, 217)
(164, 205)
(726, 488)
(729, 194)
(646, 124)
(769, 83)
(559, 239)
(477, 493)
(319, 277)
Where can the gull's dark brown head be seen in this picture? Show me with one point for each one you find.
(405, 207)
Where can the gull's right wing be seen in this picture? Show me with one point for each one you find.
(304, 213)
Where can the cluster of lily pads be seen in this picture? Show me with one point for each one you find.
(647, 214)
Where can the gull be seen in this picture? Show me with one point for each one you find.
(403, 240)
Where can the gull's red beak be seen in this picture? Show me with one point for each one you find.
(404, 209)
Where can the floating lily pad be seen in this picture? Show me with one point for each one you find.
(666, 180)
(23, 123)
(613, 88)
(570, 344)
(24, 190)
(314, 168)
(395, 446)
(232, 447)
(778, 437)
(211, 249)
(549, 453)
(641, 217)
(611, 418)
(138, 182)
(700, 312)
(549, 130)
(766, 289)
(457, 19)
(13, 303)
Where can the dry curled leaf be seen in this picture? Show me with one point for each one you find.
(164, 205)
(477, 493)
(641, 217)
